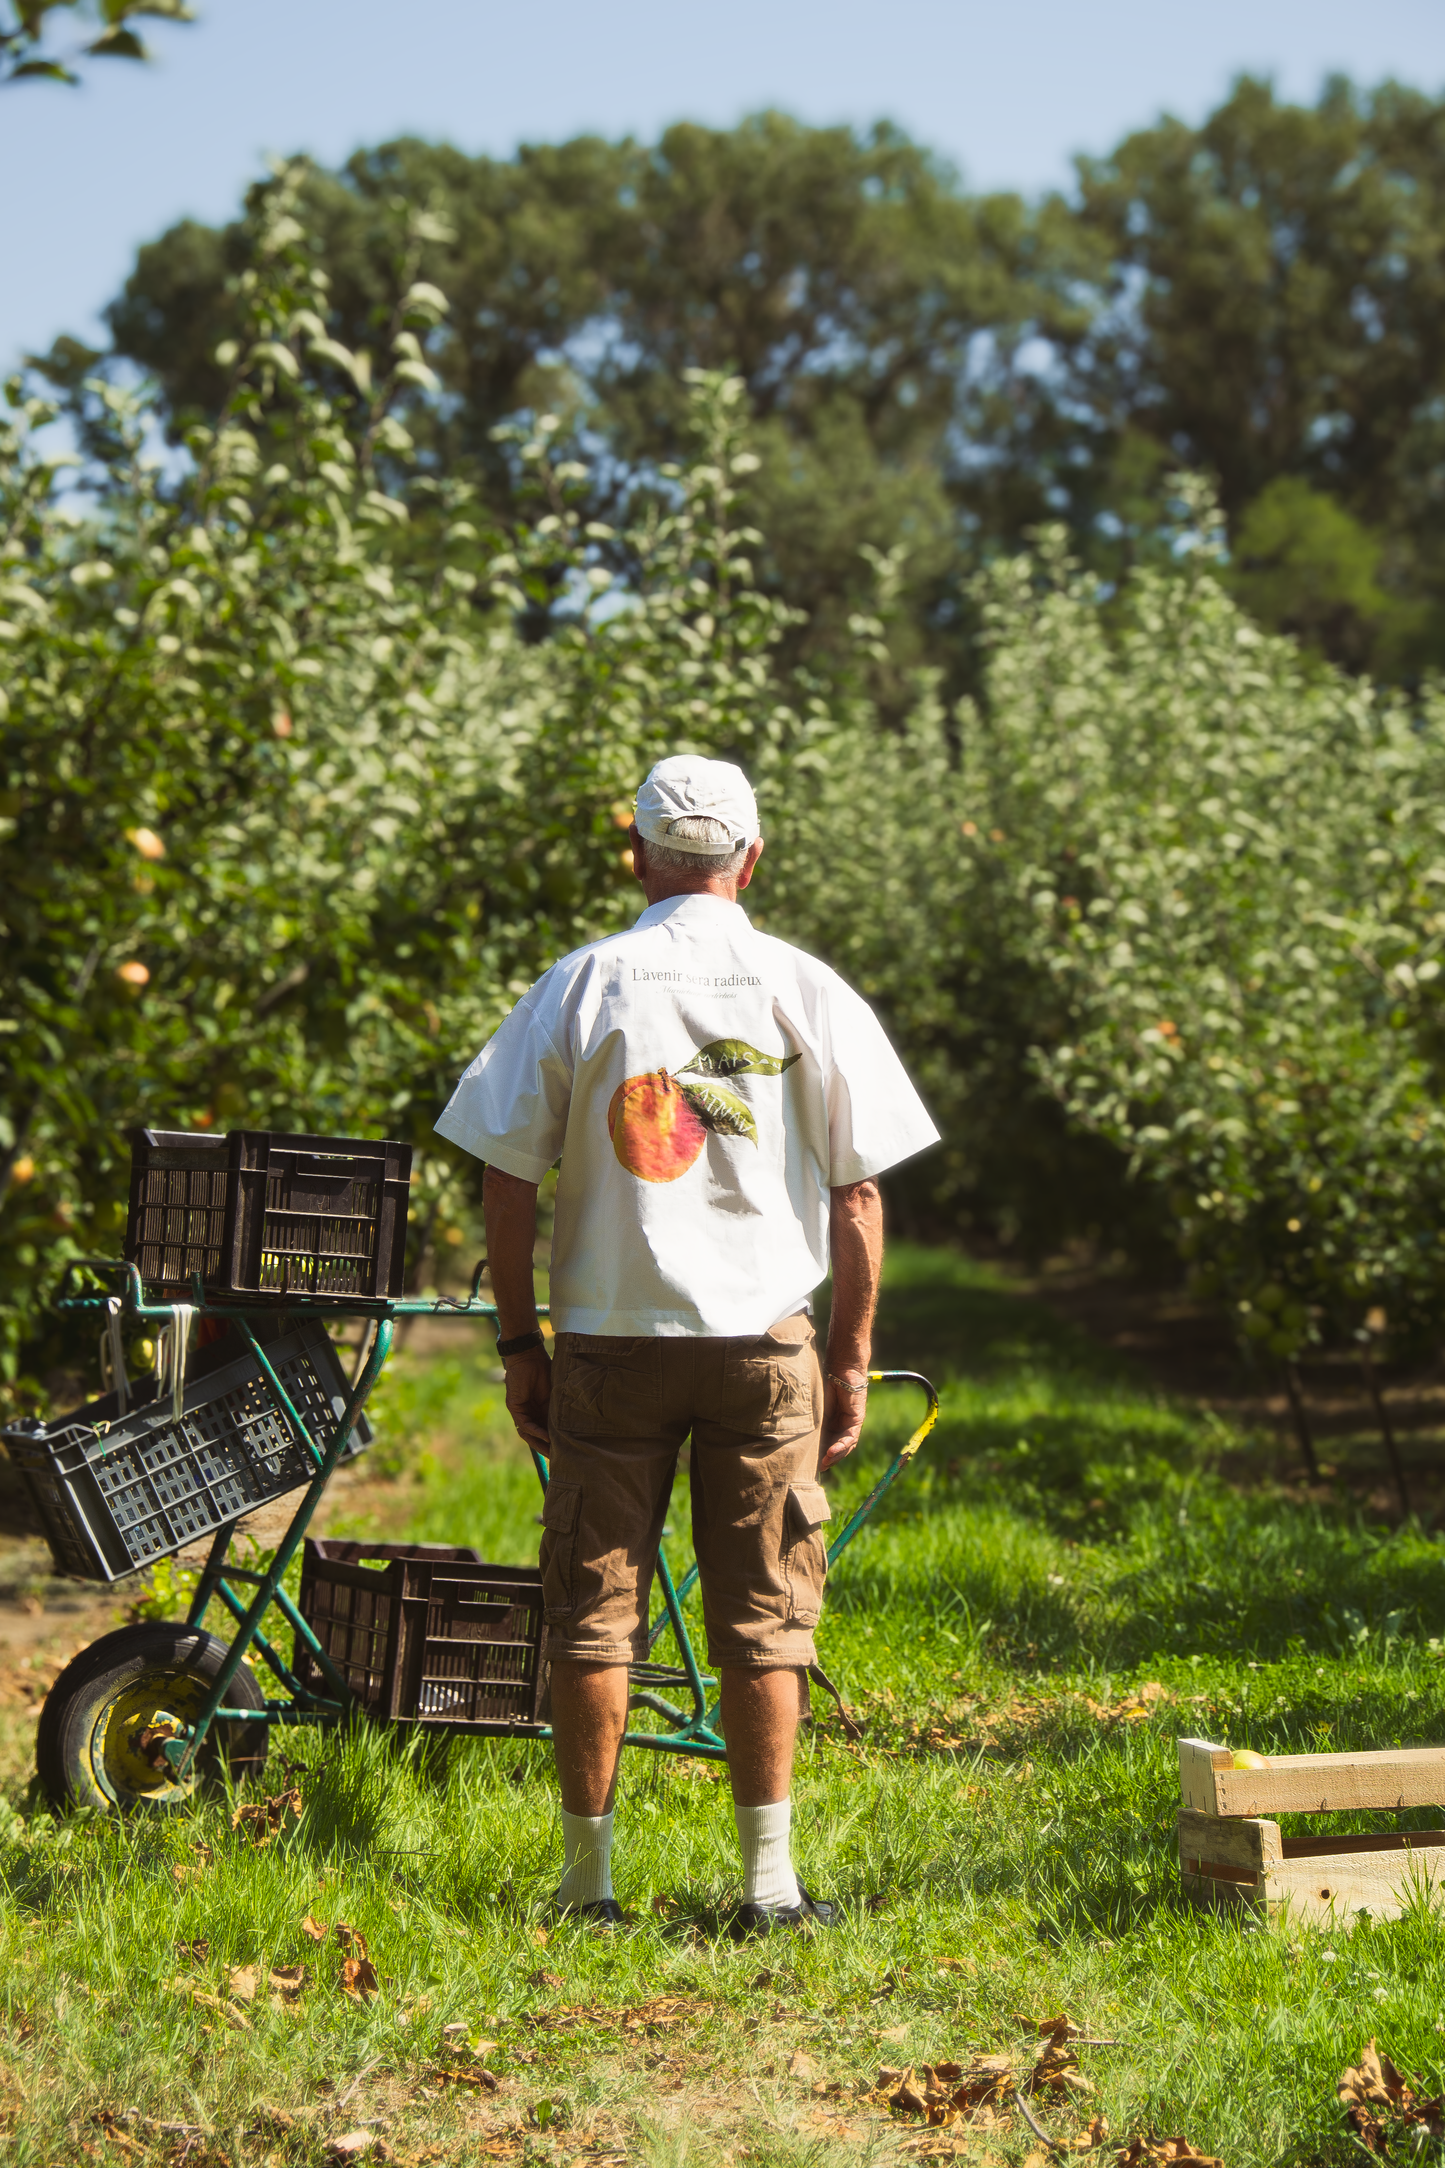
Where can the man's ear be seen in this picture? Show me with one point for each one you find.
(749, 865)
(639, 851)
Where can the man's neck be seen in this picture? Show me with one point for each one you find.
(663, 890)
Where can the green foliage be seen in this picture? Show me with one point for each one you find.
(1257, 298)
(870, 307)
(1229, 864)
(1303, 565)
(1271, 308)
(23, 35)
(219, 713)
(298, 806)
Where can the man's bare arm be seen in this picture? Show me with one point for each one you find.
(855, 1235)
(511, 1214)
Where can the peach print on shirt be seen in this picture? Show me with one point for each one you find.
(659, 1122)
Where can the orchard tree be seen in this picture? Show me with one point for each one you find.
(1233, 865)
(26, 51)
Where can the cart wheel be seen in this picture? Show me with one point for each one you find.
(98, 1741)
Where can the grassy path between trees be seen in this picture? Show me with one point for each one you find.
(1065, 1586)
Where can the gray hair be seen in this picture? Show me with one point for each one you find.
(701, 828)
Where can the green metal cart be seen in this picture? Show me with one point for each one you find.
(145, 1713)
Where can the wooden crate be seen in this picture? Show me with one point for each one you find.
(1231, 1853)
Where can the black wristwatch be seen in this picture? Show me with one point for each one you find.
(520, 1346)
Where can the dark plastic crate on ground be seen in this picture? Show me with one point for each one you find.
(427, 1634)
(116, 1492)
(262, 1214)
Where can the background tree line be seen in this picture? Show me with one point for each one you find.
(1260, 299)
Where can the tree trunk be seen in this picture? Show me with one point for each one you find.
(1387, 1429)
(1302, 1429)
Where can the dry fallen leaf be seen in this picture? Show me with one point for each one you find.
(1376, 2095)
(352, 2145)
(241, 1982)
(946, 2093)
(286, 1983)
(358, 1978)
(107, 2124)
(263, 1819)
(197, 1951)
(312, 1926)
(1163, 2153)
(800, 2066)
(541, 1978)
(1053, 2028)
(358, 1974)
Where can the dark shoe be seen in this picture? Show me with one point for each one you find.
(597, 1912)
(750, 1920)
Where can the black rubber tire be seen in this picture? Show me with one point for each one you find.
(85, 1744)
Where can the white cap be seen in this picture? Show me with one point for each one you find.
(685, 786)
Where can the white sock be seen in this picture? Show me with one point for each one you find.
(587, 1859)
(768, 1877)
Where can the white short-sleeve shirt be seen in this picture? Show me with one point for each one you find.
(704, 1086)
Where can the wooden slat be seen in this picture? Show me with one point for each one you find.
(1242, 1847)
(1373, 1840)
(1199, 1764)
(1309, 1783)
(1214, 1894)
(1335, 1887)
(1334, 1783)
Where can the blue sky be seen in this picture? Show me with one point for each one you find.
(1008, 93)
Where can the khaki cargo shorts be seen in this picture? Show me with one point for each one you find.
(620, 1412)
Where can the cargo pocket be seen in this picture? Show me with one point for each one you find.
(579, 1392)
(561, 1512)
(805, 1560)
(770, 1385)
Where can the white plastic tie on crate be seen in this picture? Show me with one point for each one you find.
(112, 1357)
(173, 1345)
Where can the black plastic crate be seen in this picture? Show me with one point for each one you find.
(116, 1492)
(428, 1634)
(180, 1194)
(266, 1215)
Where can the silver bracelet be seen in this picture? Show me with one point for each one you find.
(845, 1384)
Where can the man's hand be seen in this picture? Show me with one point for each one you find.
(529, 1388)
(843, 1412)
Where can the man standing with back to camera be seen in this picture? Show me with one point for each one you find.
(721, 1104)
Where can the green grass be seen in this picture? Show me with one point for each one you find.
(1002, 1841)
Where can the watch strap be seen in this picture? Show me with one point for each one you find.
(521, 1344)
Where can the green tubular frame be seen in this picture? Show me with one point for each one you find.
(694, 1732)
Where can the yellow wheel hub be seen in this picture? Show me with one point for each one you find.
(127, 1743)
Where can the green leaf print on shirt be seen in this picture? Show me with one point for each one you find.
(734, 1057)
(719, 1110)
